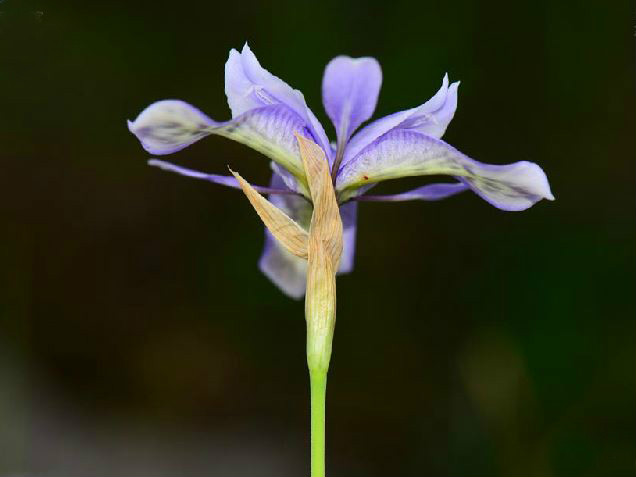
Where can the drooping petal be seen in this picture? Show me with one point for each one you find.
(171, 125)
(350, 88)
(228, 181)
(402, 153)
(349, 216)
(428, 192)
(288, 272)
(431, 118)
(248, 86)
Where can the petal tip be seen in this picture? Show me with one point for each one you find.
(170, 125)
(231, 55)
(535, 181)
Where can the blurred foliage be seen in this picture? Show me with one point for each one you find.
(139, 337)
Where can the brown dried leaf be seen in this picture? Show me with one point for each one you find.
(320, 306)
(291, 235)
(326, 224)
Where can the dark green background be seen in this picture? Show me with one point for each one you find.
(138, 337)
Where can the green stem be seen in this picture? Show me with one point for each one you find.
(318, 382)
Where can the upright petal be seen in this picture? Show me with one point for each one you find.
(431, 118)
(402, 153)
(350, 88)
(248, 86)
(168, 126)
(434, 116)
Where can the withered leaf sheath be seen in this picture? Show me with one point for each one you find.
(321, 247)
(325, 250)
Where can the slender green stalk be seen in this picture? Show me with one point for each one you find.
(318, 382)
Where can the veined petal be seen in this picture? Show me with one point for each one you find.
(402, 153)
(350, 88)
(288, 272)
(171, 125)
(428, 192)
(289, 179)
(431, 118)
(248, 86)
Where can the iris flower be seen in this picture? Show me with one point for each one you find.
(266, 112)
(310, 216)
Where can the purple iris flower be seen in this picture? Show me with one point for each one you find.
(266, 112)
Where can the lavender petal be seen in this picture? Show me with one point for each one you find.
(402, 153)
(428, 192)
(168, 126)
(248, 86)
(349, 216)
(350, 88)
(228, 181)
(431, 118)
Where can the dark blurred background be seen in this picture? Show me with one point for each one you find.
(138, 337)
